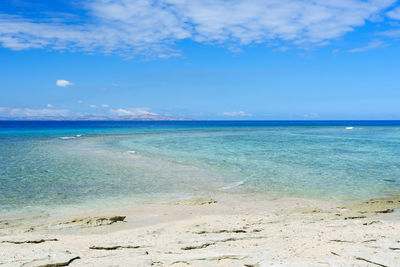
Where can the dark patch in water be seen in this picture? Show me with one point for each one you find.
(389, 180)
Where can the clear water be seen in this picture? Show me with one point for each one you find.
(143, 160)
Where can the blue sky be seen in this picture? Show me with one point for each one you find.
(201, 59)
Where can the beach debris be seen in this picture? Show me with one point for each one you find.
(334, 253)
(392, 248)
(29, 241)
(379, 264)
(112, 247)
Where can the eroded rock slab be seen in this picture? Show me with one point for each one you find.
(52, 260)
(92, 221)
(370, 207)
(113, 247)
(36, 241)
(222, 231)
(197, 201)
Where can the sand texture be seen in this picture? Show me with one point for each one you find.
(216, 231)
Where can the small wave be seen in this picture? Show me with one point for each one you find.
(233, 185)
(349, 128)
(78, 135)
(132, 152)
(67, 137)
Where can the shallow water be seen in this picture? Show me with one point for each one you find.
(59, 163)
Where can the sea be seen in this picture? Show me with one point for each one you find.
(58, 163)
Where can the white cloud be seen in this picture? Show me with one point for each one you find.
(104, 106)
(79, 101)
(49, 105)
(235, 114)
(28, 112)
(145, 27)
(63, 83)
(394, 14)
(310, 115)
(370, 46)
(92, 106)
(131, 112)
(390, 33)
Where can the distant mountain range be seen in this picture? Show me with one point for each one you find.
(145, 117)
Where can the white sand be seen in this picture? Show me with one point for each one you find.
(236, 231)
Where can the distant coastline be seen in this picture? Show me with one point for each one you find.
(242, 122)
(147, 117)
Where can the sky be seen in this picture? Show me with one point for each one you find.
(201, 59)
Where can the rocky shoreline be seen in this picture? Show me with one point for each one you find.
(218, 231)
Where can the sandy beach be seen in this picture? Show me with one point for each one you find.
(220, 230)
(199, 133)
(247, 133)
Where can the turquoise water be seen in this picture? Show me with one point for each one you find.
(71, 163)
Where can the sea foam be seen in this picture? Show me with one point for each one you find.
(67, 137)
(239, 183)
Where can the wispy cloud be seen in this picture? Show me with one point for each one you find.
(9, 112)
(394, 14)
(370, 46)
(393, 33)
(131, 112)
(235, 114)
(311, 115)
(144, 27)
(29, 112)
(63, 83)
(390, 33)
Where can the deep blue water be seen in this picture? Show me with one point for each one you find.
(44, 125)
